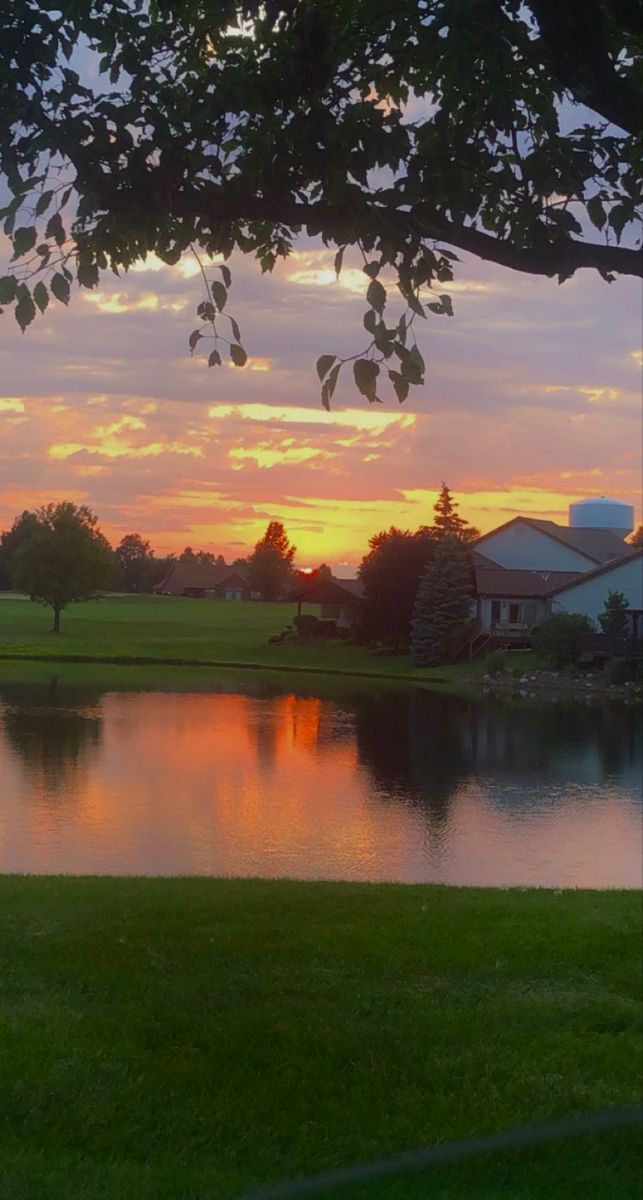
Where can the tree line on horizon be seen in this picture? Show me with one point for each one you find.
(417, 584)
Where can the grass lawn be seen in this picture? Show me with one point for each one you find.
(161, 628)
(189, 1039)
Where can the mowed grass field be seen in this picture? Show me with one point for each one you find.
(189, 1039)
(162, 628)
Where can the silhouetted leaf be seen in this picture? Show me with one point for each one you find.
(376, 296)
(324, 364)
(219, 294)
(44, 200)
(194, 337)
(339, 259)
(226, 274)
(8, 285)
(214, 359)
(55, 229)
(25, 309)
(24, 240)
(238, 355)
(60, 288)
(41, 296)
(365, 373)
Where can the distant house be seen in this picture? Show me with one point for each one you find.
(205, 581)
(510, 603)
(525, 543)
(341, 600)
(528, 568)
(587, 593)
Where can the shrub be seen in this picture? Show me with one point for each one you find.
(557, 639)
(619, 670)
(306, 625)
(613, 620)
(496, 662)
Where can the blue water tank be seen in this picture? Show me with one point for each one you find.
(602, 513)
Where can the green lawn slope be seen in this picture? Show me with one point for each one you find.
(182, 631)
(189, 1039)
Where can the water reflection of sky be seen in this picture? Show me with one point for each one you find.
(408, 786)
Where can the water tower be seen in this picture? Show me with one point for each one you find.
(602, 513)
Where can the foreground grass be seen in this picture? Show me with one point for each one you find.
(183, 631)
(187, 1039)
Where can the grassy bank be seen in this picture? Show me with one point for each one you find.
(161, 629)
(186, 1039)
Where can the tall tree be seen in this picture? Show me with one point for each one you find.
(10, 540)
(270, 569)
(390, 573)
(447, 521)
(442, 605)
(507, 129)
(134, 558)
(65, 558)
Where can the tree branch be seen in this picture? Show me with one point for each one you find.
(563, 258)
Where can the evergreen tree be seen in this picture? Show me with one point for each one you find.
(613, 620)
(441, 605)
(270, 569)
(448, 522)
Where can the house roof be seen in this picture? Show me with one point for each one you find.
(332, 591)
(187, 575)
(501, 581)
(633, 554)
(598, 545)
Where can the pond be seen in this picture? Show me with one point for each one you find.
(313, 779)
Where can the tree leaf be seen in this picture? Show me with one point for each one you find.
(365, 373)
(41, 295)
(339, 259)
(372, 269)
(8, 286)
(44, 200)
(238, 355)
(24, 239)
(376, 296)
(60, 288)
(329, 386)
(219, 294)
(55, 229)
(400, 384)
(596, 212)
(324, 364)
(25, 309)
(447, 305)
(236, 332)
(87, 274)
(194, 337)
(214, 359)
(226, 274)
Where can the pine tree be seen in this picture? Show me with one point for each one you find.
(448, 522)
(270, 566)
(442, 605)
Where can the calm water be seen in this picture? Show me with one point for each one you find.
(250, 778)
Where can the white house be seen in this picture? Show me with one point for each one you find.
(587, 594)
(525, 543)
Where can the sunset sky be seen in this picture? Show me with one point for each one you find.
(532, 400)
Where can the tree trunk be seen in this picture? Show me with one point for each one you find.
(56, 626)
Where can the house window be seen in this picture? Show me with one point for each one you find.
(514, 614)
(495, 611)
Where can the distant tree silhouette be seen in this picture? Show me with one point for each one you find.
(447, 521)
(134, 557)
(270, 567)
(390, 573)
(10, 540)
(613, 620)
(64, 558)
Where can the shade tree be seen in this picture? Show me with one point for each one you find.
(270, 566)
(400, 134)
(65, 558)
